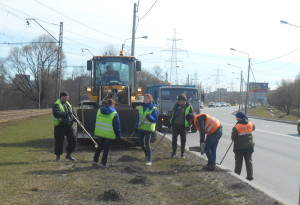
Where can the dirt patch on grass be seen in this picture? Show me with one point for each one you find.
(110, 195)
(143, 180)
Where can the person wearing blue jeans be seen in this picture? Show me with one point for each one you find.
(103, 144)
(145, 125)
(145, 138)
(212, 128)
(211, 144)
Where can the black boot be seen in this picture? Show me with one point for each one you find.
(57, 159)
(69, 157)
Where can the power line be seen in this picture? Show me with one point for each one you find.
(148, 10)
(77, 21)
(22, 43)
(282, 65)
(276, 57)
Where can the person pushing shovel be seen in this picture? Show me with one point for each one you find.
(243, 146)
(212, 128)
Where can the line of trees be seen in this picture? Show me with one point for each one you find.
(287, 96)
(28, 76)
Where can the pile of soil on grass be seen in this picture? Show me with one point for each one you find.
(110, 195)
(141, 180)
(132, 169)
(127, 158)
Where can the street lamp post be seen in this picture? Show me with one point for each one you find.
(284, 22)
(247, 88)
(145, 54)
(241, 85)
(86, 49)
(123, 45)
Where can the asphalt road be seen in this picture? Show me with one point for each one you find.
(276, 155)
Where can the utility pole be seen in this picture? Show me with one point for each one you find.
(59, 57)
(133, 29)
(59, 54)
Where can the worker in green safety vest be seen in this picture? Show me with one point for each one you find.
(107, 128)
(179, 123)
(145, 125)
(63, 120)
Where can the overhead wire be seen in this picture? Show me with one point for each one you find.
(277, 57)
(78, 22)
(148, 10)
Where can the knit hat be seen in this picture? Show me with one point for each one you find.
(189, 117)
(63, 94)
(241, 115)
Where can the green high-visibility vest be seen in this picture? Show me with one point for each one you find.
(104, 125)
(146, 124)
(187, 111)
(56, 121)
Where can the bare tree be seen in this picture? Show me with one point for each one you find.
(146, 78)
(32, 69)
(110, 50)
(77, 84)
(158, 73)
(283, 97)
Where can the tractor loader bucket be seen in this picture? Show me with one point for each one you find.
(127, 115)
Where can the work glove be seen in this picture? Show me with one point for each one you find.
(202, 147)
(148, 117)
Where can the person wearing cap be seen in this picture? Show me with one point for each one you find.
(111, 75)
(210, 127)
(243, 146)
(63, 120)
(179, 124)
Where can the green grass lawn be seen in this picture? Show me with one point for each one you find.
(264, 112)
(23, 146)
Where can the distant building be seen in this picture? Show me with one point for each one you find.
(222, 90)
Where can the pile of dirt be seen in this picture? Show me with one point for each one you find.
(110, 195)
(141, 180)
(127, 158)
(132, 169)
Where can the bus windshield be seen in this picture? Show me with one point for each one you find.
(172, 94)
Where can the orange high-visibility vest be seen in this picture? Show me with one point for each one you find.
(211, 124)
(244, 129)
